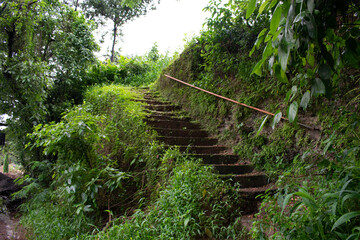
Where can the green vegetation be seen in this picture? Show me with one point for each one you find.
(108, 164)
(135, 71)
(93, 167)
(193, 203)
(315, 170)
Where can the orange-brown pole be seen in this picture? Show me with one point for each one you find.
(231, 100)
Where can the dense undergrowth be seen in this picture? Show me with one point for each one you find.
(316, 170)
(97, 171)
(113, 179)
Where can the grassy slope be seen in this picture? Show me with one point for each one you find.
(319, 161)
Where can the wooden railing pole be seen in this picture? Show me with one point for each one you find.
(233, 101)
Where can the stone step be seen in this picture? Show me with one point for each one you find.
(253, 193)
(167, 132)
(251, 180)
(167, 116)
(203, 149)
(162, 115)
(173, 124)
(233, 169)
(216, 158)
(163, 108)
(153, 102)
(188, 141)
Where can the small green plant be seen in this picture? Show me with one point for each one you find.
(6, 164)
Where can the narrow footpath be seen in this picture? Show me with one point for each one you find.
(9, 221)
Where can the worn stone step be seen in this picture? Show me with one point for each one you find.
(203, 149)
(173, 124)
(163, 108)
(167, 116)
(253, 193)
(152, 96)
(188, 141)
(153, 114)
(233, 169)
(167, 132)
(216, 158)
(250, 180)
(152, 102)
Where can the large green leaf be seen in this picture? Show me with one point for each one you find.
(325, 71)
(262, 126)
(286, 201)
(280, 74)
(275, 20)
(305, 100)
(263, 6)
(268, 50)
(344, 218)
(292, 111)
(318, 87)
(277, 119)
(251, 8)
(257, 68)
(284, 53)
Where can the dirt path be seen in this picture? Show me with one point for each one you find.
(10, 228)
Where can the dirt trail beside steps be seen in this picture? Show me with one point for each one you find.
(9, 221)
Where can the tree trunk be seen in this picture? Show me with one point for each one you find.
(112, 58)
(76, 5)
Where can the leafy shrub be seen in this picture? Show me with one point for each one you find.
(324, 206)
(194, 203)
(135, 71)
(95, 164)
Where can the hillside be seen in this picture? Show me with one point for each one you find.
(115, 149)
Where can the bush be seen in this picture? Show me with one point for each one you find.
(194, 203)
(95, 166)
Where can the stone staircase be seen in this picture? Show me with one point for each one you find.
(176, 129)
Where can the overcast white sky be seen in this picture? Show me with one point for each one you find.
(167, 25)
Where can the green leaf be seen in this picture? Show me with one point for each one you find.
(257, 68)
(251, 8)
(262, 7)
(305, 100)
(325, 71)
(344, 218)
(277, 119)
(292, 111)
(252, 50)
(261, 126)
(186, 221)
(284, 53)
(294, 90)
(317, 88)
(268, 50)
(275, 20)
(262, 33)
(307, 198)
(280, 74)
(286, 201)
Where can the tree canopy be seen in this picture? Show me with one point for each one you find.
(45, 51)
(118, 11)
